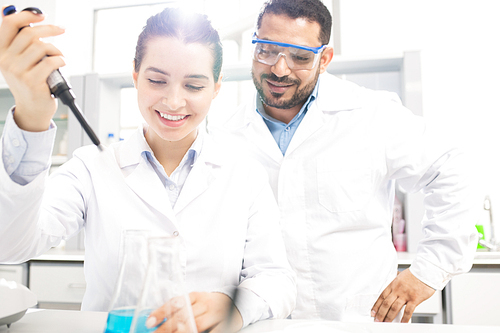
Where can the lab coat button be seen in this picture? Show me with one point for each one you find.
(171, 187)
(11, 160)
(175, 233)
(15, 142)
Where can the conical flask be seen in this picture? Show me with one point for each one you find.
(164, 287)
(134, 258)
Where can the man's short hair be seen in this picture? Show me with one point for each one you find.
(312, 10)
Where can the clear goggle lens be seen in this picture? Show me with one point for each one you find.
(297, 57)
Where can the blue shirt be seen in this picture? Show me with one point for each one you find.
(175, 182)
(281, 132)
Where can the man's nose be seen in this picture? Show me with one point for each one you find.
(280, 68)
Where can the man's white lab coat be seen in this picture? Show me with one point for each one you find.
(335, 187)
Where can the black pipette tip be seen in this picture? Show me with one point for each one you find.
(34, 10)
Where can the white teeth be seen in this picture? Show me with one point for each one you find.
(173, 118)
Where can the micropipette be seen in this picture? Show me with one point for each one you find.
(60, 88)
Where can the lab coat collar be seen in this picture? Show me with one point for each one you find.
(129, 153)
(334, 94)
(145, 182)
(203, 173)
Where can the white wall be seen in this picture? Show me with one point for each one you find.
(460, 44)
(77, 17)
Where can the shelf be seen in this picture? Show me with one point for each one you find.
(59, 159)
(2, 122)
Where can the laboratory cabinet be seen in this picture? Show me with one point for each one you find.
(17, 273)
(57, 284)
(475, 297)
(56, 277)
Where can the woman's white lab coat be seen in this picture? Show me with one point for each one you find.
(335, 187)
(225, 216)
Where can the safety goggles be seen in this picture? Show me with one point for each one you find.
(296, 56)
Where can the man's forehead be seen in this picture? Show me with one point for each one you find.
(282, 28)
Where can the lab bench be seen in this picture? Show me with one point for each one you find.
(58, 280)
(63, 321)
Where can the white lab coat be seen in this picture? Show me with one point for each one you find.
(335, 187)
(226, 217)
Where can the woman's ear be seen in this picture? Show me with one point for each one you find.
(134, 74)
(217, 86)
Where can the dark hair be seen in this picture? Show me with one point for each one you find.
(312, 10)
(192, 28)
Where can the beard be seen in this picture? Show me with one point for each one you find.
(276, 100)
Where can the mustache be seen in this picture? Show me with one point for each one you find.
(283, 79)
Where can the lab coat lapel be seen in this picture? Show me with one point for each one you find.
(333, 96)
(147, 185)
(258, 134)
(199, 179)
(312, 122)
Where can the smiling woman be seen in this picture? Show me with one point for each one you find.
(167, 178)
(174, 96)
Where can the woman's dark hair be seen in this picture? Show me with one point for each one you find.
(189, 28)
(312, 10)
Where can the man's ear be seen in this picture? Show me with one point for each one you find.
(326, 58)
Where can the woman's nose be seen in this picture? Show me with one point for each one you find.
(173, 100)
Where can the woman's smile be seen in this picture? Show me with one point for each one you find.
(172, 120)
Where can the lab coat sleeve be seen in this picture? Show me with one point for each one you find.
(422, 158)
(268, 286)
(25, 155)
(35, 217)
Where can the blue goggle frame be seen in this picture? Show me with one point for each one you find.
(314, 50)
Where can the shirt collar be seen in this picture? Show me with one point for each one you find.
(305, 107)
(136, 146)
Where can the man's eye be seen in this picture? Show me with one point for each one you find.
(302, 58)
(263, 51)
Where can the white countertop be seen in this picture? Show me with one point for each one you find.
(62, 321)
(404, 258)
(56, 254)
(481, 258)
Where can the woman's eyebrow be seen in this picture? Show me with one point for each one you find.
(196, 76)
(188, 76)
(156, 70)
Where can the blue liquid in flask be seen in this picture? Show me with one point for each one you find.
(119, 321)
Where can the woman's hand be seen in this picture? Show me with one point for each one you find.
(210, 312)
(25, 63)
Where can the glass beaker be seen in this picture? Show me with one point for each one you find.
(164, 286)
(134, 259)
